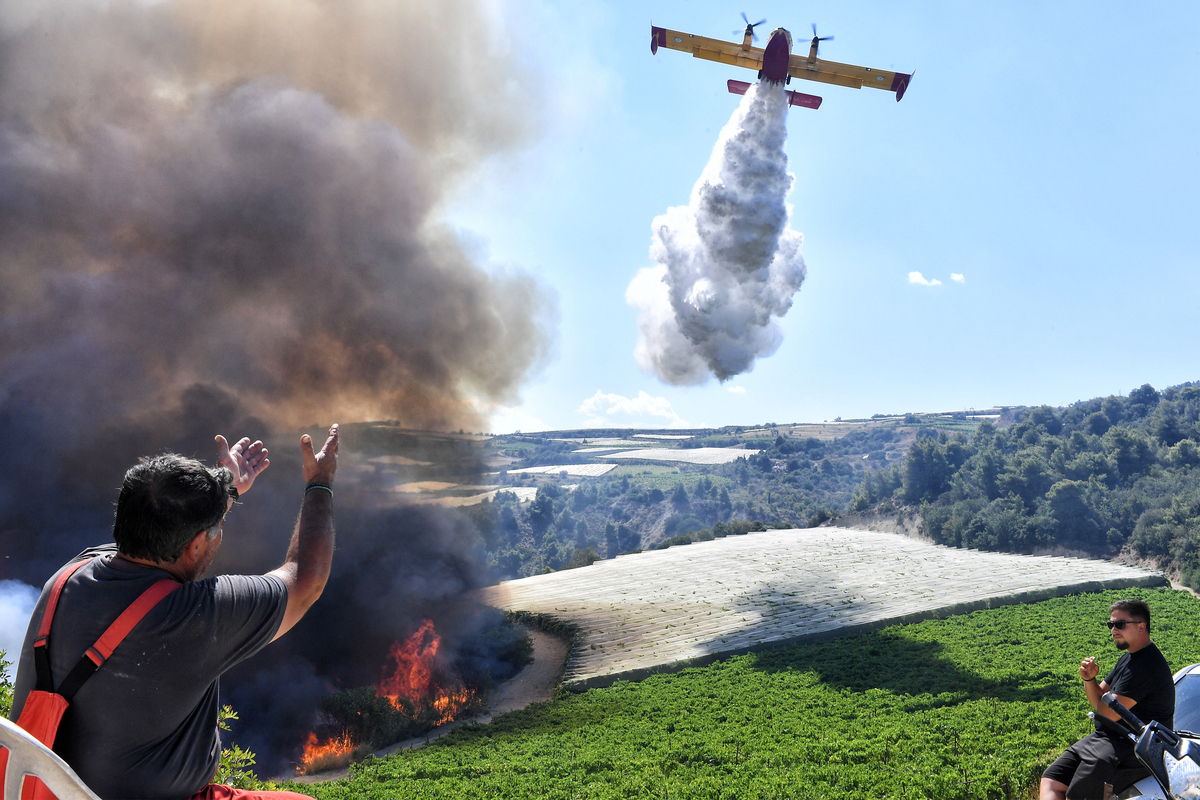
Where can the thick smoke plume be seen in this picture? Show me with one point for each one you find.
(198, 192)
(214, 212)
(219, 216)
(727, 262)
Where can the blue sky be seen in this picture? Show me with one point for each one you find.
(1047, 154)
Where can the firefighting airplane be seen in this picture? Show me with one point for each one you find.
(777, 64)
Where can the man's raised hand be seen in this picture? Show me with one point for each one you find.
(320, 467)
(245, 460)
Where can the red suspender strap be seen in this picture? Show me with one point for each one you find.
(44, 707)
(130, 617)
(41, 654)
(98, 653)
(52, 603)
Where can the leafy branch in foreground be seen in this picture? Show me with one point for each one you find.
(234, 769)
(6, 685)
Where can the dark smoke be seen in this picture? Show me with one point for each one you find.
(393, 568)
(225, 217)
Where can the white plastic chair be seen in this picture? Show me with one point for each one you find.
(27, 756)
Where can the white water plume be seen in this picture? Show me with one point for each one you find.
(727, 262)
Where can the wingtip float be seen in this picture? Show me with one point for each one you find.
(777, 64)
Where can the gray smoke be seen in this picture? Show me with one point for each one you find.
(727, 262)
(218, 216)
(247, 196)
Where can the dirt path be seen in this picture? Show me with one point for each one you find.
(535, 683)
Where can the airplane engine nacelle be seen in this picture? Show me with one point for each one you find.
(658, 36)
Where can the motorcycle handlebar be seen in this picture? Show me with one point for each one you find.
(1124, 713)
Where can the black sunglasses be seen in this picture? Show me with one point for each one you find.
(1120, 624)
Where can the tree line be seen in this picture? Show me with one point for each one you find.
(1102, 476)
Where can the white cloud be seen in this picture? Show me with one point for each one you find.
(916, 277)
(736, 389)
(507, 420)
(957, 277)
(604, 410)
(16, 606)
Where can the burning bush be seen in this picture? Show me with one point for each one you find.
(417, 692)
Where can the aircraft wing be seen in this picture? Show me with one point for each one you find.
(703, 47)
(848, 75)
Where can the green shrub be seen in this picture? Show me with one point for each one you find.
(738, 527)
(234, 769)
(370, 721)
(6, 686)
(582, 558)
(682, 538)
(816, 519)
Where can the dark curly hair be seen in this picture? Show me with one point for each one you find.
(165, 501)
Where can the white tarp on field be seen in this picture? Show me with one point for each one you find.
(662, 436)
(665, 609)
(698, 455)
(574, 470)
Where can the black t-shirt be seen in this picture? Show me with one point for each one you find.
(1145, 677)
(144, 726)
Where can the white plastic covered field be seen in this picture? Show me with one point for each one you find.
(574, 470)
(665, 609)
(699, 455)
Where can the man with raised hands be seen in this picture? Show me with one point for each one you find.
(142, 714)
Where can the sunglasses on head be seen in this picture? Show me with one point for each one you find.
(1120, 624)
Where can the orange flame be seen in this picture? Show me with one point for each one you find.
(410, 687)
(411, 684)
(413, 673)
(317, 756)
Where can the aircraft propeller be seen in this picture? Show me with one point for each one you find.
(750, 26)
(816, 40)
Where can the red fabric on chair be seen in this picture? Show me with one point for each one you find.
(40, 717)
(219, 791)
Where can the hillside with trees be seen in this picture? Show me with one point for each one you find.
(785, 480)
(1107, 476)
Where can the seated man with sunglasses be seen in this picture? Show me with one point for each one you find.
(1142, 682)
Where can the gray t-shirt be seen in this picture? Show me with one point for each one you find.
(145, 724)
